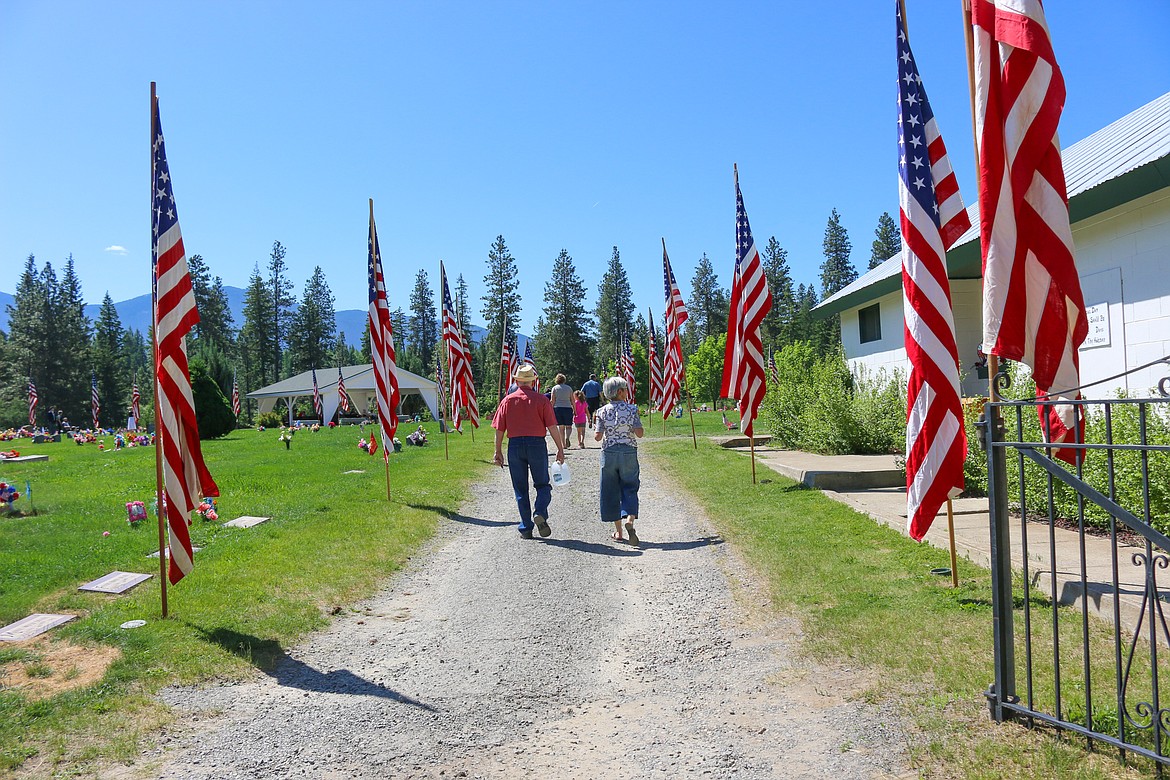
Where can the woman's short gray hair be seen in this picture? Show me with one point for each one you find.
(613, 386)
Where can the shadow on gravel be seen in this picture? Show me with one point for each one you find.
(705, 541)
(458, 518)
(592, 547)
(268, 656)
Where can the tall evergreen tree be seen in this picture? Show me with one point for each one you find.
(313, 335)
(27, 351)
(281, 300)
(563, 341)
(615, 309)
(109, 365)
(136, 356)
(216, 325)
(837, 272)
(256, 343)
(501, 307)
(424, 331)
(887, 240)
(777, 325)
(71, 345)
(709, 304)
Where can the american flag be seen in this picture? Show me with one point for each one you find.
(673, 319)
(135, 402)
(382, 344)
(458, 360)
(94, 402)
(1033, 309)
(186, 480)
(655, 366)
(772, 371)
(507, 362)
(751, 300)
(235, 394)
(318, 410)
(529, 360)
(32, 402)
(932, 218)
(627, 367)
(342, 396)
(441, 391)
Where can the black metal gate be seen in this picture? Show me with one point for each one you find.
(1089, 534)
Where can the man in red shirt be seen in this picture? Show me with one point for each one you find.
(525, 415)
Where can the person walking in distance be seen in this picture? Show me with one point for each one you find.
(524, 415)
(592, 391)
(561, 396)
(618, 430)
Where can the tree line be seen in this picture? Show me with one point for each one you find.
(52, 340)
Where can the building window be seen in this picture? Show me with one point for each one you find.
(869, 323)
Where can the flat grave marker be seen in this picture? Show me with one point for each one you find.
(33, 625)
(247, 521)
(116, 582)
(25, 459)
(356, 471)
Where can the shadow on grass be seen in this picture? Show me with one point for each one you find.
(593, 547)
(458, 518)
(269, 657)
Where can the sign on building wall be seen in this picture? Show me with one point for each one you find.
(1098, 326)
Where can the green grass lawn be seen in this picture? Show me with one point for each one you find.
(332, 539)
(867, 599)
(706, 424)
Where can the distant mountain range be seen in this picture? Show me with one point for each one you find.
(135, 313)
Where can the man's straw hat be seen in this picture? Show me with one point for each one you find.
(526, 373)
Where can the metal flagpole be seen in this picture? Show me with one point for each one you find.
(160, 497)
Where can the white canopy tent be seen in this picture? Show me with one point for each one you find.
(359, 386)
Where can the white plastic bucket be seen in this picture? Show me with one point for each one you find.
(560, 474)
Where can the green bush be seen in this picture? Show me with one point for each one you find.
(269, 420)
(819, 406)
(213, 411)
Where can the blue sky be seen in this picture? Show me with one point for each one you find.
(574, 125)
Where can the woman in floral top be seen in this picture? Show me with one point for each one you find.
(618, 428)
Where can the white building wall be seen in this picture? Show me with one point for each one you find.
(1123, 257)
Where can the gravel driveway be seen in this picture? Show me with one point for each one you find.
(570, 657)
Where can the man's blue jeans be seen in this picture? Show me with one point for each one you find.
(529, 454)
(619, 482)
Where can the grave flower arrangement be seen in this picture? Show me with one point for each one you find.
(8, 494)
(135, 512)
(207, 509)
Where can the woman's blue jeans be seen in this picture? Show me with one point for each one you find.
(619, 482)
(529, 454)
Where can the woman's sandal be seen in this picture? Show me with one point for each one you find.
(615, 537)
(631, 533)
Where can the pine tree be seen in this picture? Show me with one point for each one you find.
(776, 328)
(501, 307)
(837, 270)
(109, 365)
(71, 344)
(424, 331)
(313, 335)
(563, 342)
(136, 358)
(256, 343)
(280, 290)
(887, 241)
(615, 309)
(709, 304)
(215, 316)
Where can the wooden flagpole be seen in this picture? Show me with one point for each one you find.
(386, 445)
(752, 444)
(954, 555)
(690, 408)
(160, 497)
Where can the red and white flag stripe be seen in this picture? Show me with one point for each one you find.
(1033, 309)
(382, 345)
(673, 319)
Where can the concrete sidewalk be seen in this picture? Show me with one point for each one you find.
(864, 483)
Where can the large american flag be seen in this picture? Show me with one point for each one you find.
(507, 361)
(32, 402)
(342, 396)
(235, 394)
(458, 360)
(655, 366)
(94, 402)
(751, 300)
(185, 477)
(1033, 309)
(318, 410)
(382, 344)
(932, 218)
(673, 319)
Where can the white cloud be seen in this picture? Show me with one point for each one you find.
(118, 250)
